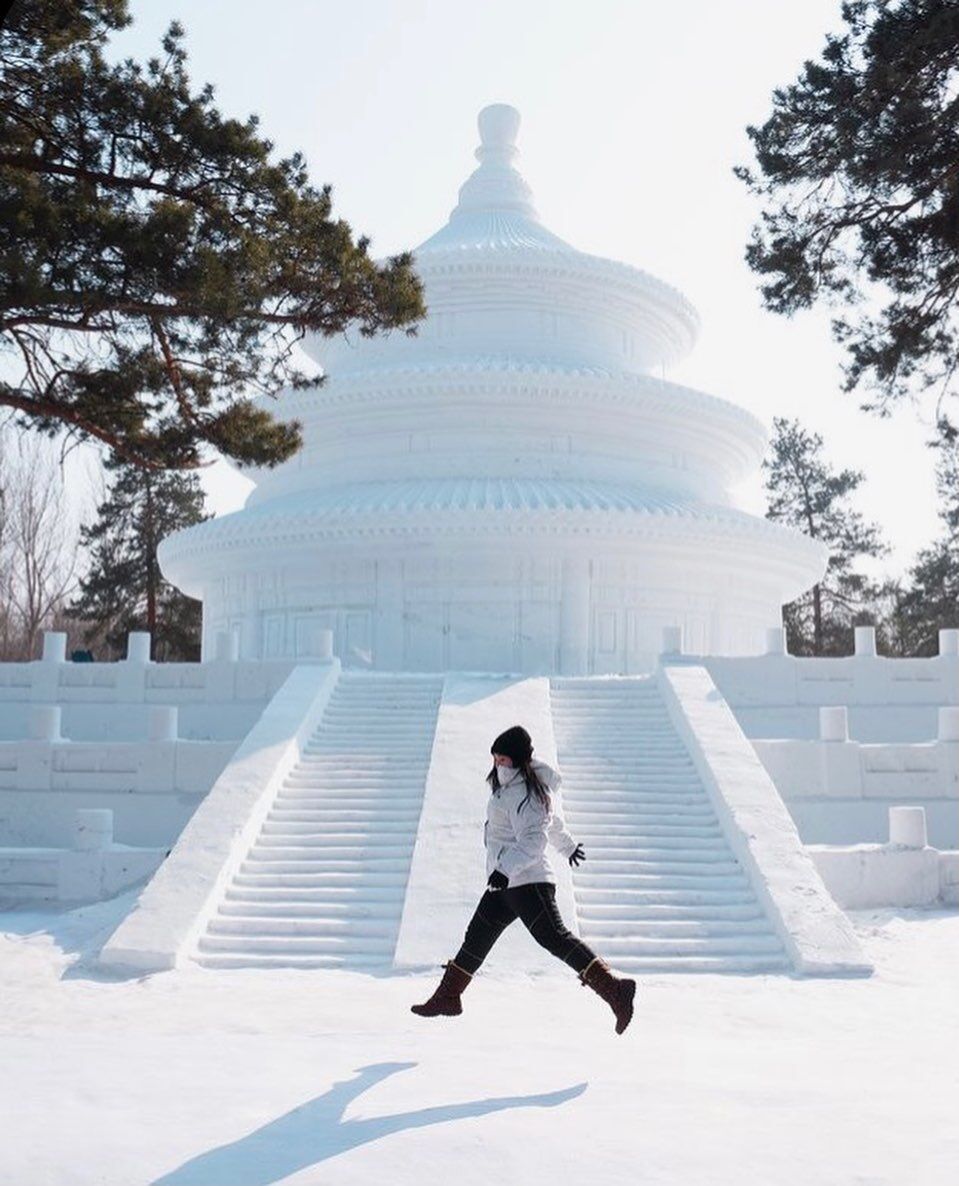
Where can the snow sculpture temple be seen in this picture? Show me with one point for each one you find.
(507, 517)
(514, 488)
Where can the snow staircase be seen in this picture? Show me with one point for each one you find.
(660, 890)
(324, 883)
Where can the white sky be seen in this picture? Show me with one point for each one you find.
(633, 115)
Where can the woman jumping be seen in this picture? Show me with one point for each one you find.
(521, 816)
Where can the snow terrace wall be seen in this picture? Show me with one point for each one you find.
(839, 792)
(133, 682)
(872, 875)
(175, 906)
(105, 752)
(816, 934)
(64, 875)
(778, 695)
(152, 787)
(448, 867)
(98, 720)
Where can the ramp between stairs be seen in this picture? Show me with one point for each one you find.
(448, 868)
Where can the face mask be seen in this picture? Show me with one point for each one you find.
(505, 773)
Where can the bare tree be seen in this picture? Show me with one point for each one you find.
(38, 546)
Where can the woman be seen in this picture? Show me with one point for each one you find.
(521, 816)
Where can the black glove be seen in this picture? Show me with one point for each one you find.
(497, 880)
(578, 854)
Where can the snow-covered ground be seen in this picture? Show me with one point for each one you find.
(233, 1078)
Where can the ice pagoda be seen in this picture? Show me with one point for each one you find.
(513, 489)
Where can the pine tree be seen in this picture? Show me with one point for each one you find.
(856, 166)
(930, 601)
(805, 493)
(157, 263)
(124, 589)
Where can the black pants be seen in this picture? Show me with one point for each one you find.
(535, 904)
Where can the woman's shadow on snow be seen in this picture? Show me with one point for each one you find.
(316, 1131)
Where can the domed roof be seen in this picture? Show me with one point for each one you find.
(383, 506)
(495, 222)
(495, 209)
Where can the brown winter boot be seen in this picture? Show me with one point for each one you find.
(618, 994)
(446, 999)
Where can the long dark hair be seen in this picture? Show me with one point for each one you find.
(517, 745)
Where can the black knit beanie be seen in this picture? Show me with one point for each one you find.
(515, 744)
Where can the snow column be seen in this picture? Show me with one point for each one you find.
(389, 615)
(574, 617)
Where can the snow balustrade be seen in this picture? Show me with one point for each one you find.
(87, 742)
(845, 739)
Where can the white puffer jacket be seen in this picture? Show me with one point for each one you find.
(516, 839)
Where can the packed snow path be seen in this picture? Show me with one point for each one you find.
(660, 889)
(323, 884)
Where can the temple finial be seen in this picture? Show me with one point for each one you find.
(498, 125)
(496, 185)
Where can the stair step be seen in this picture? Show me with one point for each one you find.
(635, 788)
(342, 815)
(633, 781)
(607, 930)
(693, 805)
(351, 771)
(635, 912)
(740, 945)
(694, 894)
(643, 762)
(346, 751)
(285, 847)
(346, 784)
(306, 831)
(596, 761)
(323, 795)
(697, 814)
(389, 909)
(671, 848)
(639, 866)
(267, 862)
(256, 926)
(357, 880)
(654, 744)
(603, 723)
(659, 877)
(329, 897)
(301, 945)
(251, 959)
(598, 840)
(731, 964)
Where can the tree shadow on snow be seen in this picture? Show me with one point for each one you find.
(316, 1131)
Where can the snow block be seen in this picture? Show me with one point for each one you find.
(173, 909)
(448, 867)
(949, 878)
(817, 936)
(862, 876)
